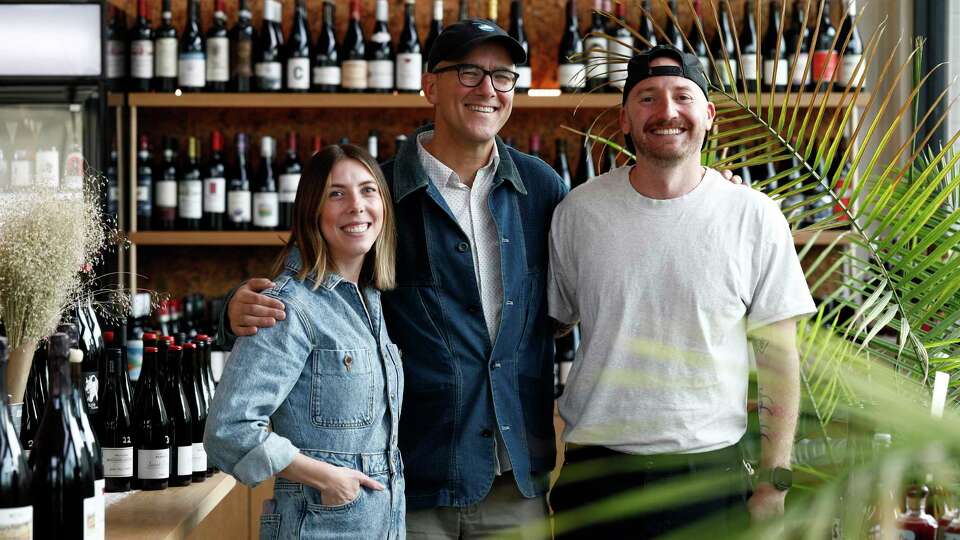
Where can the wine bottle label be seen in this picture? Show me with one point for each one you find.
(266, 209)
(571, 76)
(850, 72)
(238, 206)
(269, 74)
(355, 74)
(906, 535)
(153, 464)
(190, 199)
(326, 75)
(799, 78)
(141, 59)
(619, 48)
(596, 48)
(193, 70)
(48, 168)
(726, 72)
(118, 462)
(91, 391)
(525, 80)
(380, 74)
(116, 59)
(244, 58)
(825, 65)
(21, 173)
(288, 187)
(215, 195)
(184, 460)
(298, 73)
(89, 527)
(199, 457)
(218, 59)
(165, 50)
(749, 67)
(217, 360)
(134, 358)
(272, 10)
(409, 70)
(166, 194)
(783, 71)
(16, 523)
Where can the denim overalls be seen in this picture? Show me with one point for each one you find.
(330, 383)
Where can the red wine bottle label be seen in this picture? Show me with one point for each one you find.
(239, 206)
(824, 65)
(190, 199)
(355, 74)
(118, 462)
(571, 76)
(218, 59)
(288, 187)
(199, 457)
(116, 59)
(215, 195)
(153, 464)
(409, 69)
(141, 59)
(298, 73)
(17, 523)
(380, 74)
(266, 209)
(165, 50)
(326, 75)
(185, 460)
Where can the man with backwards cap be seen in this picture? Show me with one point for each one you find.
(469, 311)
(670, 271)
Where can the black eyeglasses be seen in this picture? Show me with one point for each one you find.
(471, 76)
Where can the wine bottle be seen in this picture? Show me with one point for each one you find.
(697, 45)
(165, 51)
(645, 26)
(562, 165)
(354, 67)
(373, 143)
(152, 428)
(619, 48)
(464, 11)
(78, 406)
(595, 45)
(267, 53)
(519, 33)
(175, 400)
(672, 32)
(190, 189)
(798, 48)
(192, 66)
(238, 192)
(91, 344)
(409, 58)
(493, 10)
(203, 343)
(218, 51)
(289, 181)
(242, 37)
(585, 168)
(112, 202)
(775, 63)
(144, 185)
(825, 57)
(851, 70)
(570, 61)
(34, 402)
(326, 59)
(16, 499)
(725, 51)
(748, 50)
(61, 468)
(436, 26)
(266, 211)
(380, 58)
(215, 186)
(116, 64)
(114, 426)
(165, 199)
(297, 58)
(193, 390)
(141, 51)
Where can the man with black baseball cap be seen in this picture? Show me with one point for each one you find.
(672, 271)
(469, 311)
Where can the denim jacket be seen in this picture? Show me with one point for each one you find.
(330, 382)
(460, 385)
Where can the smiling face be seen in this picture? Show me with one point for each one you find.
(473, 115)
(667, 117)
(351, 216)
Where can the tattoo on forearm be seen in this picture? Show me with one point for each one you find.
(760, 345)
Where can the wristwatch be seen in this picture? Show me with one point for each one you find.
(779, 477)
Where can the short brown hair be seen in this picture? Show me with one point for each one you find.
(379, 270)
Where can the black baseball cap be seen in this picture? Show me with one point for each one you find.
(639, 68)
(458, 39)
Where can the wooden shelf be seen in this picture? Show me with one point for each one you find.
(277, 238)
(398, 101)
(116, 99)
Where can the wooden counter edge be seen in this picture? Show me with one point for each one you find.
(169, 514)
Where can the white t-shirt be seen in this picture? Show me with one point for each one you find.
(666, 291)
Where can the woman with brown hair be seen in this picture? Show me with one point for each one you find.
(327, 379)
